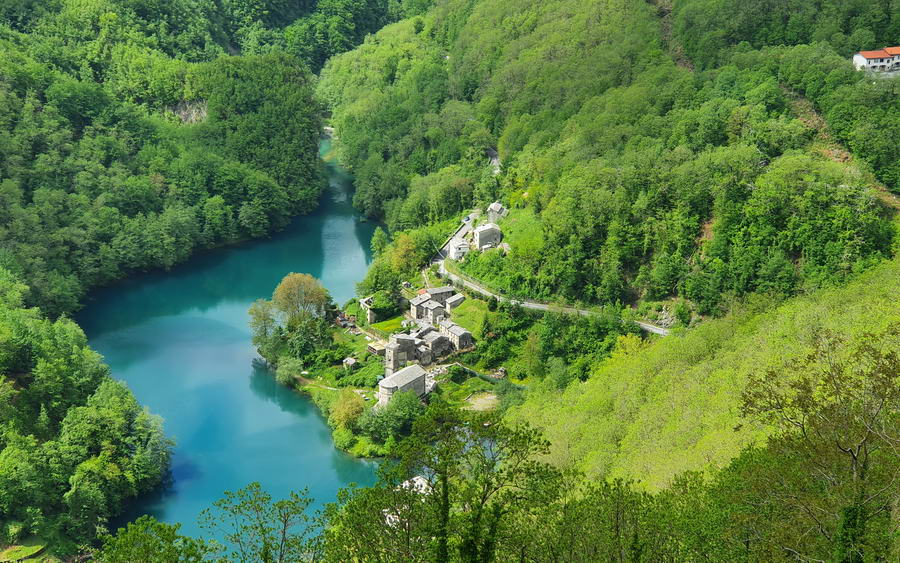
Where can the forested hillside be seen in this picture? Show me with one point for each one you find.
(718, 158)
(723, 159)
(130, 137)
(650, 180)
(74, 444)
(133, 133)
(655, 410)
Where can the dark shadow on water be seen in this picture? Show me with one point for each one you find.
(264, 386)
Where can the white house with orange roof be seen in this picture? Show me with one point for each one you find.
(880, 60)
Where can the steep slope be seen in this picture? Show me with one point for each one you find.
(649, 181)
(653, 411)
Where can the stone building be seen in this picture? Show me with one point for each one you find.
(410, 378)
(458, 249)
(433, 312)
(455, 301)
(459, 337)
(496, 211)
(438, 343)
(366, 306)
(416, 310)
(441, 294)
(430, 305)
(400, 351)
(486, 236)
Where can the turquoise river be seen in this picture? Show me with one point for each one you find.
(180, 340)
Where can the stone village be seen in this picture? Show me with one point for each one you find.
(431, 334)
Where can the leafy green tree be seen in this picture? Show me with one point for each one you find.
(256, 528)
(837, 416)
(394, 419)
(265, 329)
(380, 241)
(146, 540)
(347, 409)
(300, 295)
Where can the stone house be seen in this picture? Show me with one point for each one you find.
(433, 312)
(416, 310)
(460, 337)
(455, 301)
(438, 343)
(366, 306)
(400, 351)
(496, 211)
(441, 294)
(429, 305)
(486, 236)
(410, 378)
(458, 249)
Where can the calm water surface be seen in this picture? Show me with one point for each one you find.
(181, 342)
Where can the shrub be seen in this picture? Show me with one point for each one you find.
(343, 438)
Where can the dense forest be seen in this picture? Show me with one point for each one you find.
(74, 443)
(720, 160)
(133, 133)
(716, 158)
(130, 137)
(648, 179)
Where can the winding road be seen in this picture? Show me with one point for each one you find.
(441, 256)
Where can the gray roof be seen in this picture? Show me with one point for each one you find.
(496, 206)
(439, 290)
(403, 377)
(433, 305)
(487, 227)
(419, 299)
(458, 298)
(422, 330)
(457, 330)
(432, 336)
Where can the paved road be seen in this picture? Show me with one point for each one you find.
(534, 304)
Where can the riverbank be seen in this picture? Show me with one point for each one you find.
(180, 340)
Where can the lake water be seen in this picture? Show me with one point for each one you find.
(180, 340)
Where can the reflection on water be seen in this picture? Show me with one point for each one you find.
(180, 340)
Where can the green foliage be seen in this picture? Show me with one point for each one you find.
(650, 412)
(394, 420)
(96, 182)
(74, 444)
(256, 528)
(707, 28)
(640, 179)
(345, 412)
(146, 539)
(295, 324)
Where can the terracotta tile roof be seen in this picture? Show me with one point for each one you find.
(880, 54)
(892, 50)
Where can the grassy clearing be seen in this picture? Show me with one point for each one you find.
(24, 551)
(522, 229)
(470, 315)
(390, 325)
